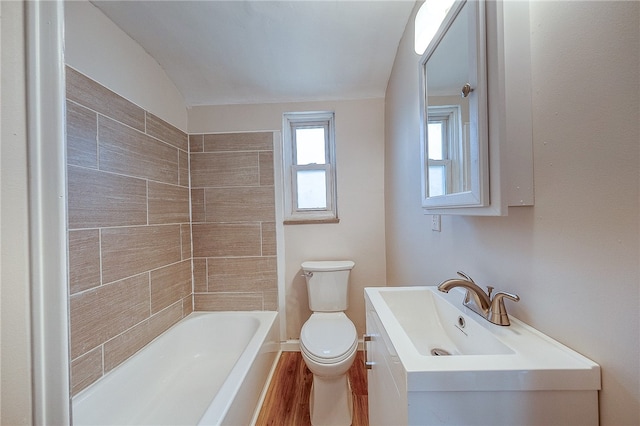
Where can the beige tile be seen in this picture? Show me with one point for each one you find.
(130, 251)
(266, 168)
(82, 133)
(185, 235)
(196, 143)
(98, 315)
(183, 168)
(226, 239)
(248, 274)
(224, 169)
(259, 141)
(87, 92)
(187, 305)
(197, 205)
(85, 370)
(200, 275)
(227, 302)
(121, 347)
(129, 152)
(168, 203)
(270, 300)
(164, 131)
(98, 199)
(240, 204)
(84, 260)
(169, 285)
(269, 247)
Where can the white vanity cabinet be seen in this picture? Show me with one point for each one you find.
(386, 377)
(496, 375)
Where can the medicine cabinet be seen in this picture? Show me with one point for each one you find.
(475, 104)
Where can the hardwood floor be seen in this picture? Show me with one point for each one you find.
(287, 399)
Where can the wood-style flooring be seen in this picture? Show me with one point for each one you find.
(287, 399)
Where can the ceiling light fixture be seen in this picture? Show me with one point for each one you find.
(428, 20)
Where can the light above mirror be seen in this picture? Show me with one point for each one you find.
(428, 20)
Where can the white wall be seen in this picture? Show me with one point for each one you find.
(99, 49)
(360, 234)
(15, 347)
(573, 257)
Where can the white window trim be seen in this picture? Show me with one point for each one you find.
(293, 215)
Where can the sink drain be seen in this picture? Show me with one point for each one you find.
(439, 352)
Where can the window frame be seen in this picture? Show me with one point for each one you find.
(290, 122)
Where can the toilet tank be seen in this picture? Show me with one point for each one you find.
(327, 284)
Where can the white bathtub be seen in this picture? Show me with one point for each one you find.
(208, 369)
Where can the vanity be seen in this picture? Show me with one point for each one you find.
(432, 361)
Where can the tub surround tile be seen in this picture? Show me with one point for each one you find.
(187, 305)
(130, 251)
(254, 274)
(102, 313)
(266, 168)
(253, 141)
(167, 203)
(243, 204)
(268, 238)
(123, 346)
(164, 131)
(227, 301)
(82, 134)
(270, 300)
(199, 275)
(224, 169)
(130, 230)
(86, 369)
(196, 143)
(124, 150)
(169, 285)
(185, 235)
(226, 239)
(97, 199)
(84, 260)
(87, 92)
(197, 205)
(183, 168)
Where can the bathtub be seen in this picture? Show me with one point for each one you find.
(208, 369)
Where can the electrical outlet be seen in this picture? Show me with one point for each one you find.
(435, 222)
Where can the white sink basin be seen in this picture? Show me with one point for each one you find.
(484, 356)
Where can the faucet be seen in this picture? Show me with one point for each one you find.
(493, 310)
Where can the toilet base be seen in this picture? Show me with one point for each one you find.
(331, 401)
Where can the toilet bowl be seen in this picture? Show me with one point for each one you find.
(328, 342)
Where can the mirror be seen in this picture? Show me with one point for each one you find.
(454, 126)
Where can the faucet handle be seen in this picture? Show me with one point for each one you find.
(465, 276)
(497, 311)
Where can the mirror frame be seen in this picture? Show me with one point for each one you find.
(478, 195)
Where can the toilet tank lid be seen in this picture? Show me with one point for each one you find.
(327, 265)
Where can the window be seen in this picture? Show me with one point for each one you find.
(309, 161)
(446, 153)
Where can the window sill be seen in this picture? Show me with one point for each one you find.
(310, 221)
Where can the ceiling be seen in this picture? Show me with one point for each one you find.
(263, 51)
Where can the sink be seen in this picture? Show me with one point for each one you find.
(423, 324)
(437, 328)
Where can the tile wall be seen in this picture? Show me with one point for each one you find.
(233, 221)
(130, 274)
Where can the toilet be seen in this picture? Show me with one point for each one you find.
(328, 342)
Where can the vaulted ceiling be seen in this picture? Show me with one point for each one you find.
(261, 51)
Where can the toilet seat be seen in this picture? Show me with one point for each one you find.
(328, 338)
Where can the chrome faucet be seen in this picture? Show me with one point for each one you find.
(493, 310)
